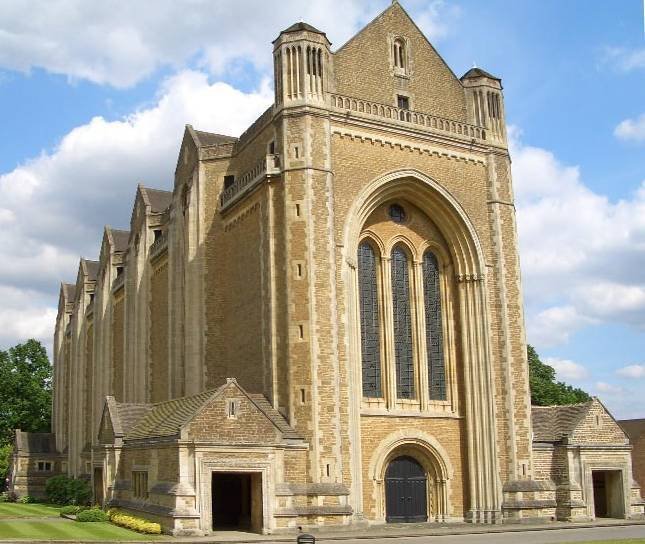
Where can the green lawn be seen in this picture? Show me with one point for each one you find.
(30, 522)
(16, 510)
(65, 530)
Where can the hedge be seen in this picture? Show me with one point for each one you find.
(132, 522)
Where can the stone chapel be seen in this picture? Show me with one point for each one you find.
(322, 323)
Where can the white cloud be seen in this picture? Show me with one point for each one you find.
(624, 59)
(554, 326)
(567, 369)
(120, 43)
(583, 256)
(89, 180)
(608, 388)
(631, 129)
(632, 371)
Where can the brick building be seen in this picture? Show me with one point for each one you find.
(323, 318)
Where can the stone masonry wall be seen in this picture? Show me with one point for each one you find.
(363, 69)
(159, 371)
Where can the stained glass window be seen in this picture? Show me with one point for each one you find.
(402, 324)
(369, 315)
(434, 332)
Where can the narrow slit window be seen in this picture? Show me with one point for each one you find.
(434, 327)
(369, 321)
(402, 314)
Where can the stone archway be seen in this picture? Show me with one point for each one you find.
(467, 258)
(425, 451)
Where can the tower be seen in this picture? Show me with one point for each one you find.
(485, 102)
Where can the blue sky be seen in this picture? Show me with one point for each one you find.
(93, 98)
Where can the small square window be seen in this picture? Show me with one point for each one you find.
(44, 466)
(403, 102)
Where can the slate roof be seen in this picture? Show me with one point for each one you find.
(634, 428)
(166, 419)
(210, 138)
(553, 423)
(276, 417)
(130, 414)
(478, 72)
(69, 290)
(301, 26)
(159, 200)
(92, 268)
(120, 239)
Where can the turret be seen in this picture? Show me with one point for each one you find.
(301, 58)
(485, 103)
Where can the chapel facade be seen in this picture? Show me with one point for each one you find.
(322, 323)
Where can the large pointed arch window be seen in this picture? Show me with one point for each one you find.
(402, 317)
(433, 326)
(369, 321)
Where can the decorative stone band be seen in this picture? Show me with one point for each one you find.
(325, 489)
(423, 120)
(295, 511)
(267, 166)
(462, 278)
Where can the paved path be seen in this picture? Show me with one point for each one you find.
(448, 534)
(524, 537)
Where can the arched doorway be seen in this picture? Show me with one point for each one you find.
(406, 491)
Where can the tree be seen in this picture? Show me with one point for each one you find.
(25, 390)
(545, 390)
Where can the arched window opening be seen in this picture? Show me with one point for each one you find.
(402, 314)
(434, 330)
(400, 57)
(369, 320)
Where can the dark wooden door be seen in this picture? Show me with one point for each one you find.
(406, 491)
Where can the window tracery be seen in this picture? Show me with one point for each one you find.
(402, 317)
(369, 317)
(405, 362)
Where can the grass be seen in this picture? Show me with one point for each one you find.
(628, 541)
(17, 510)
(34, 522)
(66, 530)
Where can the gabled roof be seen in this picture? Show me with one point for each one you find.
(120, 239)
(124, 415)
(553, 423)
(634, 428)
(157, 199)
(166, 419)
(69, 291)
(205, 139)
(91, 269)
(393, 6)
(478, 72)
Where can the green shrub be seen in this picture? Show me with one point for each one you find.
(134, 523)
(9, 496)
(70, 510)
(27, 499)
(92, 514)
(64, 490)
